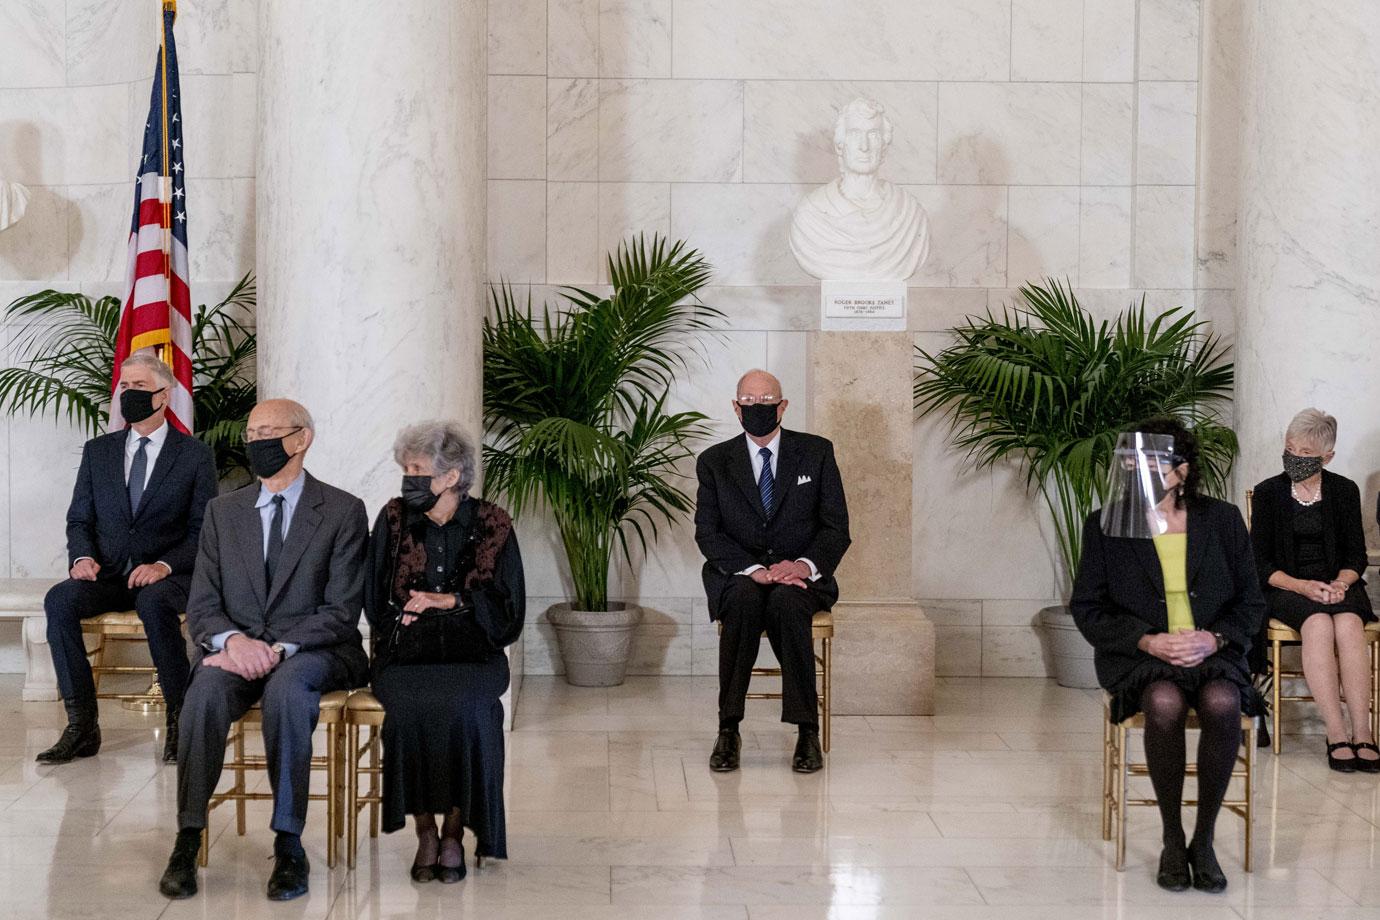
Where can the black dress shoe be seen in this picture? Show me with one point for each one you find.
(289, 878)
(728, 748)
(808, 757)
(1173, 874)
(179, 879)
(1340, 764)
(1363, 764)
(79, 739)
(1207, 874)
(425, 873)
(170, 737)
(449, 875)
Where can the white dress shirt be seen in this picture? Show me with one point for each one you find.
(155, 446)
(774, 445)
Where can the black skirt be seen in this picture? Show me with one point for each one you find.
(443, 746)
(1224, 666)
(1292, 609)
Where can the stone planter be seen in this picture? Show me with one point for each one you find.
(595, 644)
(1070, 653)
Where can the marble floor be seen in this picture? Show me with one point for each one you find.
(986, 811)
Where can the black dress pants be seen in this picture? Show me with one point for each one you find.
(159, 605)
(783, 612)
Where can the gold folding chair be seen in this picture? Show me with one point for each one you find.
(1117, 768)
(821, 629)
(333, 717)
(121, 626)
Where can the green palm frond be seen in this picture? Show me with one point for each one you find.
(63, 349)
(1046, 385)
(575, 404)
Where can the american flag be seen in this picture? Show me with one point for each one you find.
(157, 315)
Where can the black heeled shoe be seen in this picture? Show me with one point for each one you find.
(1365, 765)
(1341, 765)
(449, 875)
(1173, 874)
(1207, 873)
(425, 873)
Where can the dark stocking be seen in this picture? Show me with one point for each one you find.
(1219, 717)
(1166, 713)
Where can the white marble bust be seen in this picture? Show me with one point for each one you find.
(860, 227)
(14, 199)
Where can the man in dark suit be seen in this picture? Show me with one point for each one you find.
(275, 608)
(132, 530)
(772, 523)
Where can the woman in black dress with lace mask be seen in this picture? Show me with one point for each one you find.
(1310, 550)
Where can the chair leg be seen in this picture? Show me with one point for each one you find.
(203, 855)
(98, 662)
(1121, 766)
(240, 787)
(1375, 691)
(1106, 779)
(1275, 646)
(1250, 793)
(375, 743)
(332, 800)
(351, 794)
(827, 680)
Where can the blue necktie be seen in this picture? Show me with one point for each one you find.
(766, 483)
(138, 471)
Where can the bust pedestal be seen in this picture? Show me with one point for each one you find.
(860, 390)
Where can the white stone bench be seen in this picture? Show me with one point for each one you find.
(22, 599)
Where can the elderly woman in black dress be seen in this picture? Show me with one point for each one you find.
(444, 596)
(1310, 550)
(1167, 595)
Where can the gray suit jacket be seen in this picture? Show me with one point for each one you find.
(318, 593)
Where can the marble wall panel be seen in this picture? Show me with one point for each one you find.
(1108, 133)
(517, 36)
(572, 237)
(34, 135)
(33, 43)
(670, 130)
(35, 249)
(1166, 133)
(968, 235)
(789, 129)
(742, 229)
(1017, 133)
(572, 38)
(1104, 243)
(98, 230)
(1109, 40)
(1168, 39)
(1164, 237)
(207, 35)
(517, 231)
(111, 41)
(1047, 40)
(517, 127)
(635, 38)
(221, 228)
(628, 210)
(824, 40)
(572, 129)
(1042, 240)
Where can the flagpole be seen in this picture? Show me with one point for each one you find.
(165, 180)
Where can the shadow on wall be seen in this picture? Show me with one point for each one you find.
(40, 245)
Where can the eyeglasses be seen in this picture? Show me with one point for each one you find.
(758, 400)
(269, 431)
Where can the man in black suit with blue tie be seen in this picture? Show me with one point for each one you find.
(132, 532)
(772, 523)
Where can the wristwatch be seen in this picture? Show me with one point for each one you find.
(280, 651)
(1221, 641)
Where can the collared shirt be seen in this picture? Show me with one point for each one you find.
(291, 495)
(157, 437)
(774, 445)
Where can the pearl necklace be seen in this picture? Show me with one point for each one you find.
(1294, 490)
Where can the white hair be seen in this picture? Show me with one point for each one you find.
(867, 109)
(448, 446)
(151, 364)
(1314, 427)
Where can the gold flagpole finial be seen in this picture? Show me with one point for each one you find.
(170, 6)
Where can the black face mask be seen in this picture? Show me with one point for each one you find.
(137, 405)
(268, 456)
(759, 419)
(417, 494)
(1300, 468)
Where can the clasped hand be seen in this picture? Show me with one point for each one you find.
(1322, 592)
(1184, 649)
(422, 601)
(786, 572)
(249, 658)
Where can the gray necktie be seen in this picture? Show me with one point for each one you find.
(275, 539)
(138, 472)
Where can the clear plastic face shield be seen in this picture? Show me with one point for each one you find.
(1143, 473)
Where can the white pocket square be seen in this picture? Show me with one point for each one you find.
(801, 480)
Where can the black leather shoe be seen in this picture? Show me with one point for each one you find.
(1207, 874)
(289, 878)
(426, 873)
(1173, 874)
(728, 748)
(808, 757)
(449, 875)
(79, 739)
(179, 879)
(1365, 764)
(1341, 765)
(170, 737)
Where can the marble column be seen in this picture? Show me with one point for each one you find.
(860, 398)
(1308, 294)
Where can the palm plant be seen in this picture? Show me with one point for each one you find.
(1046, 385)
(575, 405)
(63, 350)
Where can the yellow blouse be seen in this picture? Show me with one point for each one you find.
(1172, 548)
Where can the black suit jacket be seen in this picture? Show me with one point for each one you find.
(101, 525)
(1118, 595)
(809, 520)
(1272, 531)
(318, 587)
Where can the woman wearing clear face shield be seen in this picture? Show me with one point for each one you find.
(1167, 594)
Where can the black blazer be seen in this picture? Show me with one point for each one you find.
(1118, 595)
(809, 520)
(168, 523)
(1272, 532)
(318, 587)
